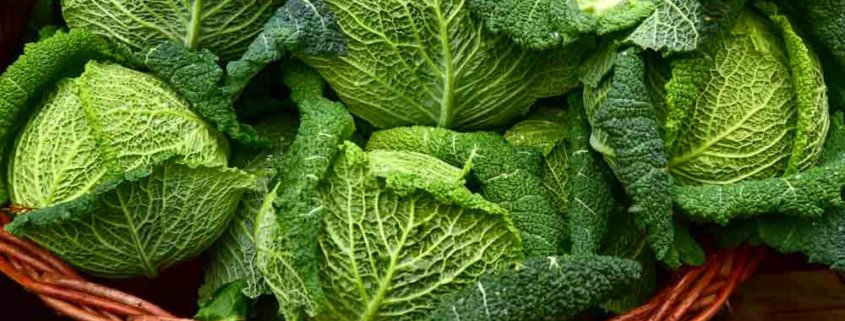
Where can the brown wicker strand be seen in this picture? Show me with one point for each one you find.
(699, 293)
(694, 294)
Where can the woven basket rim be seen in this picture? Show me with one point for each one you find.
(693, 293)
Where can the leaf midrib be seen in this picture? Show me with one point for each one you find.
(447, 100)
(192, 30)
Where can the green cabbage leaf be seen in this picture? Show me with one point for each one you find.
(543, 24)
(540, 289)
(431, 63)
(224, 27)
(114, 163)
(508, 176)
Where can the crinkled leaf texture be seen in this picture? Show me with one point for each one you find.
(508, 176)
(544, 24)
(590, 199)
(541, 289)
(821, 239)
(24, 82)
(234, 258)
(431, 63)
(197, 77)
(625, 131)
(302, 26)
(672, 27)
(807, 194)
(142, 223)
(625, 240)
(289, 218)
(396, 238)
(739, 121)
(89, 163)
(224, 27)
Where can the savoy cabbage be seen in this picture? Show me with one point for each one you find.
(367, 160)
(112, 163)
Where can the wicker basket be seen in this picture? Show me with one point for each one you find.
(695, 294)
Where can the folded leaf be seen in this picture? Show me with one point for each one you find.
(508, 176)
(290, 218)
(808, 194)
(396, 239)
(136, 225)
(41, 65)
(540, 289)
(625, 131)
(233, 258)
(303, 26)
(197, 77)
(543, 24)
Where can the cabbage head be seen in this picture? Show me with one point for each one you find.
(748, 124)
(122, 177)
(751, 105)
(432, 63)
(225, 28)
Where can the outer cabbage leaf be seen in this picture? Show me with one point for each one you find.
(108, 121)
(290, 217)
(197, 77)
(227, 304)
(137, 225)
(810, 95)
(42, 64)
(508, 176)
(542, 130)
(673, 27)
(392, 247)
(541, 289)
(590, 199)
(807, 194)
(820, 239)
(543, 24)
(233, 258)
(625, 131)
(822, 21)
(224, 27)
(431, 63)
(626, 241)
(304, 26)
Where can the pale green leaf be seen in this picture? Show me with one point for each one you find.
(225, 27)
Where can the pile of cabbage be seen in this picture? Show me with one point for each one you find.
(369, 160)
